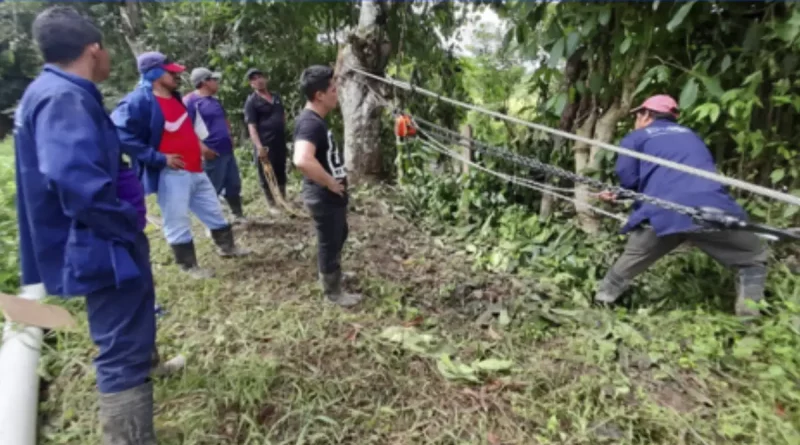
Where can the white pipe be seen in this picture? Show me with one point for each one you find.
(19, 381)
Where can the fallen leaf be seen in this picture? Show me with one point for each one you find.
(491, 333)
(416, 321)
(493, 364)
(352, 334)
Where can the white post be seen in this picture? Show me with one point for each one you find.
(19, 381)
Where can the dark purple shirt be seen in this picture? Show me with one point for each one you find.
(219, 137)
(130, 189)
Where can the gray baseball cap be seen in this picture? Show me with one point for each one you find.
(202, 74)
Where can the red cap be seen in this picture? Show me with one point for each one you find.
(173, 67)
(661, 103)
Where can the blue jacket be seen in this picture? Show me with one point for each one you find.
(75, 234)
(668, 140)
(140, 125)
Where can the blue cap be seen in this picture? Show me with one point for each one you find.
(153, 59)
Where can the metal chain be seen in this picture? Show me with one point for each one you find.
(556, 171)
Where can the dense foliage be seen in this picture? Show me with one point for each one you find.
(577, 66)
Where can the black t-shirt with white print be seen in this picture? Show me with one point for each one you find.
(310, 126)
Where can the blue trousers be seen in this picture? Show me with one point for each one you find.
(223, 171)
(122, 324)
(180, 191)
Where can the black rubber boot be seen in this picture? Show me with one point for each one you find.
(235, 203)
(332, 287)
(750, 283)
(226, 247)
(186, 258)
(127, 417)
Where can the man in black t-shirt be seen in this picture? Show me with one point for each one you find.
(321, 161)
(266, 124)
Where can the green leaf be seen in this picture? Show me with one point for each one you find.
(556, 53)
(560, 103)
(605, 16)
(689, 94)
(679, 16)
(726, 63)
(626, 45)
(777, 175)
(746, 347)
(521, 33)
(493, 364)
(572, 43)
(712, 86)
(596, 83)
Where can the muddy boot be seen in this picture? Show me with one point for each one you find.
(332, 287)
(611, 288)
(127, 417)
(750, 283)
(186, 258)
(235, 203)
(226, 247)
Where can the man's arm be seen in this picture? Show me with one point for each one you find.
(307, 163)
(251, 119)
(131, 131)
(73, 158)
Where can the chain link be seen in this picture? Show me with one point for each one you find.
(556, 171)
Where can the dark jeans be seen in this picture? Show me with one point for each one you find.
(331, 224)
(223, 171)
(277, 158)
(734, 249)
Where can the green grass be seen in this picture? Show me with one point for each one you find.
(271, 363)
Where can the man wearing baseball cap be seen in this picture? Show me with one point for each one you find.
(220, 166)
(266, 124)
(155, 128)
(657, 134)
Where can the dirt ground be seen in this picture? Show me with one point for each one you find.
(438, 353)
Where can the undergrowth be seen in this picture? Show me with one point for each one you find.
(475, 329)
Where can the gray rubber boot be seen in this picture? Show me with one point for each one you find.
(332, 287)
(750, 284)
(127, 417)
(226, 247)
(611, 288)
(186, 258)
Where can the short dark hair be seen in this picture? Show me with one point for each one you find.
(659, 116)
(63, 34)
(315, 79)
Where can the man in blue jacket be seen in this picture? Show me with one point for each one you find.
(155, 128)
(657, 134)
(81, 217)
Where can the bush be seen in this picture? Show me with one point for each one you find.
(9, 268)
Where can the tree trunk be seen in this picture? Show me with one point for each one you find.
(572, 73)
(132, 26)
(602, 129)
(367, 49)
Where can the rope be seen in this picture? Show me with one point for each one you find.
(753, 188)
(435, 145)
(272, 183)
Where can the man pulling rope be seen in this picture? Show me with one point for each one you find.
(657, 133)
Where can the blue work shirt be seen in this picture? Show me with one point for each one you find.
(75, 234)
(140, 126)
(668, 140)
